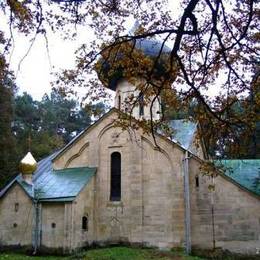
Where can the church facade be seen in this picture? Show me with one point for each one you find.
(110, 186)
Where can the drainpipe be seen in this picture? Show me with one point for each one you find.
(213, 214)
(35, 234)
(187, 203)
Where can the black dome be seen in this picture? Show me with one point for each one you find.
(150, 47)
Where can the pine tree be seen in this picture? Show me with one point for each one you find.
(8, 155)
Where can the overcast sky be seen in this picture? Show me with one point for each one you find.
(35, 71)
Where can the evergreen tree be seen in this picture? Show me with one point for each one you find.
(8, 153)
(62, 116)
(51, 123)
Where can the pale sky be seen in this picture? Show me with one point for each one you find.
(34, 75)
(35, 71)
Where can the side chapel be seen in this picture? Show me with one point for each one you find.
(106, 187)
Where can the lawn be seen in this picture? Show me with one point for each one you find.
(112, 253)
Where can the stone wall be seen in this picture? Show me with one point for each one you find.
(118, 220)
(16, 210)
(83, 206)
(52, 225)
(235, 213)
(162, 194)
(151, 210)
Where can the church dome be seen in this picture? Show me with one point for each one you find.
(110, 74)
(151, 47)
(28, 164)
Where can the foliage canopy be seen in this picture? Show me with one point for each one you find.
(214, 48)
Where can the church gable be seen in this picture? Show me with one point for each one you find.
(136, 181)
(15, 210)
(17, 181)
(82, 150)
(15, 187)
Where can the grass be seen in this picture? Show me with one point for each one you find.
(131, 253)
(19, 256)
(127, 253)
(111, 253)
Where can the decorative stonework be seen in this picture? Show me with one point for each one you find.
(74, 156)
(115, 137)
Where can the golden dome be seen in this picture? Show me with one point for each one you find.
(28, 164)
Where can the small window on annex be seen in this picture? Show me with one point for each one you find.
(115, 187)
(85, 223)
(16, 207)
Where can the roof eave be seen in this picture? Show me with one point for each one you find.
(57, 199)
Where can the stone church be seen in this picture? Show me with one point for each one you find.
(110, 186)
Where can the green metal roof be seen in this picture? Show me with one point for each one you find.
(184, 131)
(244, 172)
(55, 186)
(62, 184)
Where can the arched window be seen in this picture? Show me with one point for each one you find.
(85, 223)
(115, 188)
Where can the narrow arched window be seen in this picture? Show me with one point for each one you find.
(85, 223)
(115, 188)
(141, 105)
(119, 102)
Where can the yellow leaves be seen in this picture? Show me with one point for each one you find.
(211, 187)
(95, 14)
(123, 59)
(256, 37)
(257, 99)
(81, 63)
(209, 168)
(140, 30)
(22, 13)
